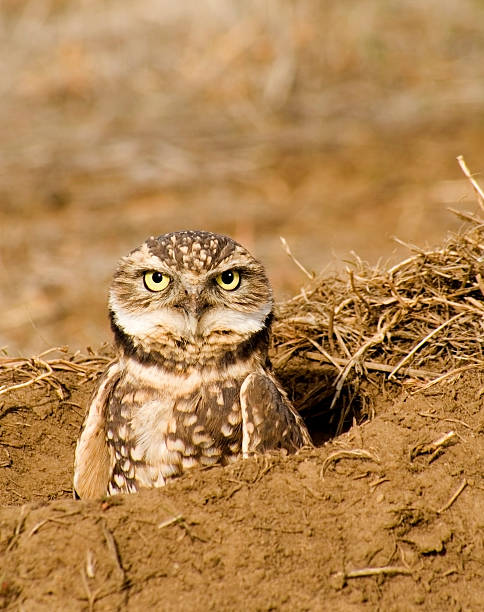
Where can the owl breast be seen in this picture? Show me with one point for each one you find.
(161, 424)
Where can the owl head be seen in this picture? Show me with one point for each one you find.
(189, 286)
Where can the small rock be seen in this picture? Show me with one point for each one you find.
(433, 542)
(43, 410)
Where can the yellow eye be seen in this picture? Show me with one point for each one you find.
(156, 281)
(228, 280)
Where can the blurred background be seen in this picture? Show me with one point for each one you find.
(333, 123)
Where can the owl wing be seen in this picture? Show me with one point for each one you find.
(268, 419)
(94, 459)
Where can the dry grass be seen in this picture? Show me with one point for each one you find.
(19, 373)
(416, 323)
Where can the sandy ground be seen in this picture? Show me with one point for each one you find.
(373, 520)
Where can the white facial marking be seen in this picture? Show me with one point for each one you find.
(149, 324)
(152, 323)
(242, 323)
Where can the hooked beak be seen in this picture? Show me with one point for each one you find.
(193, 307)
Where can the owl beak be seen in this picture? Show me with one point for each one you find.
(194, 307)
(192, 301)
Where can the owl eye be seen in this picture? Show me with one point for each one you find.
(228, 280)
(156, 281)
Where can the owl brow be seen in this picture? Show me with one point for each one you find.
(242, 270)
(160, 268)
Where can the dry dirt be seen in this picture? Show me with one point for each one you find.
(272, 533)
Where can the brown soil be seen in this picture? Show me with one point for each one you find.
(273, 533)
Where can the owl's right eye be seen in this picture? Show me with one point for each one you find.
(156, 281)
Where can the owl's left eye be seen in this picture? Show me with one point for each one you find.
(156, 281)
(228, 280)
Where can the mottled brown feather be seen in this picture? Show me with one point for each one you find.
(269, 422)
(94, 459)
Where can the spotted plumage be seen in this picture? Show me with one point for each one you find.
(192, 383)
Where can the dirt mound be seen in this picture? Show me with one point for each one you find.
(387, 516)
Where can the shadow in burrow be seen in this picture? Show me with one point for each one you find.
(312, 392)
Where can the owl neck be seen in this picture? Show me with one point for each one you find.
(222, 351)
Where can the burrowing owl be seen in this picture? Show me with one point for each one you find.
(192, 385)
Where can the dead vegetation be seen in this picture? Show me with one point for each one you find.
(414, 324)
(19, 373)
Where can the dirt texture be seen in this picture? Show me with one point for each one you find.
(387, 516)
